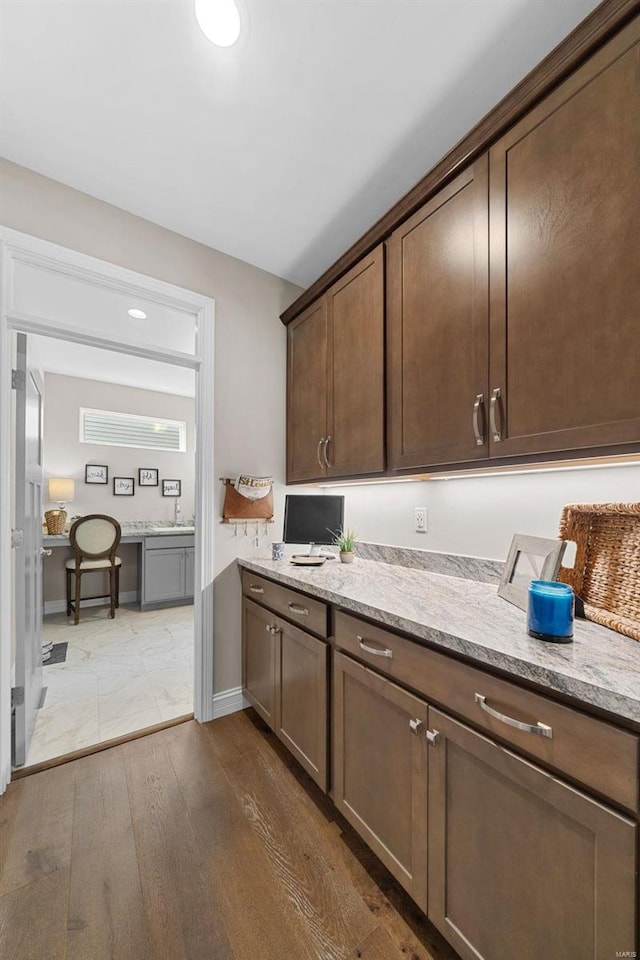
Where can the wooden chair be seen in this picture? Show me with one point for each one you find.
(94, 540)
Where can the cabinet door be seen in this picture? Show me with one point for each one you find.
(302, 699)
(565, 263)
(189, 571)
(163, 575)
(307, 394)
(520, 863)
(259, 660)
(355, 443)
(380, 769)
(437, 316)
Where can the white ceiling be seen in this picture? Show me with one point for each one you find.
(280, 150)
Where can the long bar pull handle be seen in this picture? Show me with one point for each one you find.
(324, 452)
(415, 725)
(376, 651)
(496, 432)
(255, 589)
(296, 608)
(321, 442)
(540, 729)
(478, 432)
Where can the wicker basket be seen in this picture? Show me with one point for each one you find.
(55, 520)
(606, 575)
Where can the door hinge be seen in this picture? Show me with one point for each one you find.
(17, 538)
(17, 379)
(17, 696)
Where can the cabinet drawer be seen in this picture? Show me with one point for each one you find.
(586, 749)
(169, 542)
(310, 614)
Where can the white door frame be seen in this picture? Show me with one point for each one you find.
(20, 247)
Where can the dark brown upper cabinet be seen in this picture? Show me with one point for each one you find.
(335, 395)
(437, 334)
(565, 264)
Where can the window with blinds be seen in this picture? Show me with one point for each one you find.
(131, 430)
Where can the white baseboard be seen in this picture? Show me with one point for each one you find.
(228, 701)
(59, 606)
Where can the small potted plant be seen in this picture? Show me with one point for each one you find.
(345, 540)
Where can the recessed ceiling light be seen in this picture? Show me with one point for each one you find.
(219, 20)
(137, 314)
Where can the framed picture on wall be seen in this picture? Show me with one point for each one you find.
(147, 476)
(123, 486)
(171, 488)
(96, 473)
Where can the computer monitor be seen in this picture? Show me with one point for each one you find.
(312, 519)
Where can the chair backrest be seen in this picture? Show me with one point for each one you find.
(95, 536)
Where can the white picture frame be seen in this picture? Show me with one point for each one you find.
(529, 558)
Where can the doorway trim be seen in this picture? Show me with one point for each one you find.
(16, 247)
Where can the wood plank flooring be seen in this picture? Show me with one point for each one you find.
(199, 842)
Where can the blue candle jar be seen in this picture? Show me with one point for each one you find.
(550, 611)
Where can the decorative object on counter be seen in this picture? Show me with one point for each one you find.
(96, 473)
(606, 572)
(277, 551)
(172, 488)
(345, 541)
(302, 560)
(61, 491)
(550, 611)
(124, 486)
(247, 498)
(148, 477)
(529, 558)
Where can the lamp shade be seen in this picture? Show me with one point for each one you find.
(61, 489)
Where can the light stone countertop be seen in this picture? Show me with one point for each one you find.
(133, 531)
(600, 668)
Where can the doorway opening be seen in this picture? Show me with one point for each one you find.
(51, 297)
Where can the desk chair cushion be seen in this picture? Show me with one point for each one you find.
(93, 564)
(96, 534)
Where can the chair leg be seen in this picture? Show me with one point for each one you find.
(68, 593)
(117, 587)
(112, 592)
(77, 596)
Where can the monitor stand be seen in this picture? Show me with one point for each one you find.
(315, 551)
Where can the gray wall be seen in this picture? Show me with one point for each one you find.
(250, 346)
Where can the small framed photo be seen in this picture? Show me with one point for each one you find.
(529, 558)
(172, 488)
(96, 473)
(147, 476)
(123, 486)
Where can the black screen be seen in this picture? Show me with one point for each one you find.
(313, 519)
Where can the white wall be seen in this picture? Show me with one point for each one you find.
(477, 516)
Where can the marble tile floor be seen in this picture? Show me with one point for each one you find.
(119, 676)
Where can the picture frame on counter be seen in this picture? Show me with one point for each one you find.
(148, 477)
(529, 558)
(172, 488)
(124, 486)
(96, 473)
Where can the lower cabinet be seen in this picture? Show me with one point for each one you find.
(259, 653)
(380, 752)
(520, 864)
(167, 571)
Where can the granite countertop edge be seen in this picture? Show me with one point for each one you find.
(596, 690)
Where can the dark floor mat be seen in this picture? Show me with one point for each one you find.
(58, 654)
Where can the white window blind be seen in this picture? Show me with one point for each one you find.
(131, 430)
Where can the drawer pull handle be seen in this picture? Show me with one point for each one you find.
(296, 608)
(541, 729)
(416, 726)
(255, 589)
(376, 651)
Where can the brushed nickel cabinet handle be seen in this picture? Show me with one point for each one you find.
(433, 737)
(477, 432)
(496, 432)
(415, 725)
(324, 452)
(376, 651)
(321, 442)
(255, 589)
(44, 552)
(541, 729)
(296, 608)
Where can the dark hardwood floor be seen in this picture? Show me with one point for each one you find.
(199, 842)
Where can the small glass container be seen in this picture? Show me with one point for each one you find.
(550, 611)
(277, 551)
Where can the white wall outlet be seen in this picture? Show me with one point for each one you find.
(420, 519)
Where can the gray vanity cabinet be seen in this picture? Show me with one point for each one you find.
(167, 575)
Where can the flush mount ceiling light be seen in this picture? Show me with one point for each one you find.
(137, 314)
(219, 20)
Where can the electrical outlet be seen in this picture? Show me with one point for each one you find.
(420, 519)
